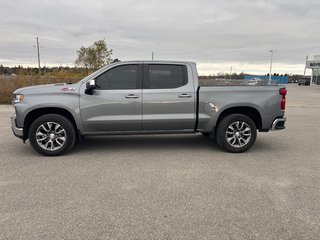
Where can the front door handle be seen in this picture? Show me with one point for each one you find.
(185, 95)
(132, 96)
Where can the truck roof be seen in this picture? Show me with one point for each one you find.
(157, 61)
(136, 62)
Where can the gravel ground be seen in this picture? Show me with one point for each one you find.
(167, 187)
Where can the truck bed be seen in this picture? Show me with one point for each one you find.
(213, 100)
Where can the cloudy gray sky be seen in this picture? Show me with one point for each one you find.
(215, 34)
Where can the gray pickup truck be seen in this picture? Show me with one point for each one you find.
(143, 97)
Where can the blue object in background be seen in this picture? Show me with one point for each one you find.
(278, 79)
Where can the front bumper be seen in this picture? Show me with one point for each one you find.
(278, 124)
(18, 132)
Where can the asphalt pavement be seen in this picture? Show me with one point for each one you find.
(167, 186)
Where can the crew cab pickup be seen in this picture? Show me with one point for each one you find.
(143, 97)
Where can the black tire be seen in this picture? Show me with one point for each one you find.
(240, 135)
(55, 129)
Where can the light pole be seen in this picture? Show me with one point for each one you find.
(271, 51)
(305, 66)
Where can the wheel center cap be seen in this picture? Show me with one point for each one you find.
(237, 134)
(51, 136)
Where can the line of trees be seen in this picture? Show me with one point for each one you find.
(20, 70)
(80, 70)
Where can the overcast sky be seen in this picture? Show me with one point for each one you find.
(215, 34)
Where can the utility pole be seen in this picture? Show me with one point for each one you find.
(271, 51)
(38, 50)
(152, 56)
(230, 72)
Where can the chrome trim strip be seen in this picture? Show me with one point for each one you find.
(17, 131)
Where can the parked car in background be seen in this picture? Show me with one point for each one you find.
(304, 81)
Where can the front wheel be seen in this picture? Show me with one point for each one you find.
(236, 133)
(52, 135)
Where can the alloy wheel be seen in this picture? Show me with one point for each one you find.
(51, 136)
(238, 134)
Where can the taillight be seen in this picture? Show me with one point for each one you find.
(283, 93)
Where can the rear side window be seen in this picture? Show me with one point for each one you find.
(122, 77)
(166, 76)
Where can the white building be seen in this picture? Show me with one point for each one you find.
(314, 65)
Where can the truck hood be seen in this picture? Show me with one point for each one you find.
(47, 88)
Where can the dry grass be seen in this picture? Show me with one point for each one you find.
(9, 84)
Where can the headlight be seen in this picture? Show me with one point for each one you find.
(18, 98)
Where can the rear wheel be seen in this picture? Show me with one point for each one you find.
(236, 133)
(52, 135)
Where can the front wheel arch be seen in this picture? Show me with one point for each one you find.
(52, 135)
(36, 113)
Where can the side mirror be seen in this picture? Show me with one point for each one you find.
(90, 85)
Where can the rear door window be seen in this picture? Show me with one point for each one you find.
(164, 76)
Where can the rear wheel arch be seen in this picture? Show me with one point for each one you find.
(250, 112)
(36, 113)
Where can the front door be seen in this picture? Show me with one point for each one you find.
(116, 104)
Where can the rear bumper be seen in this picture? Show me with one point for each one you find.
(18, 132)
(278, 124)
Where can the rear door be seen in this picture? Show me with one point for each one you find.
(116, 104)
(169, 98)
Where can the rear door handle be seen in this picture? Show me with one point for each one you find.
(185, 95)
(132, 96)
